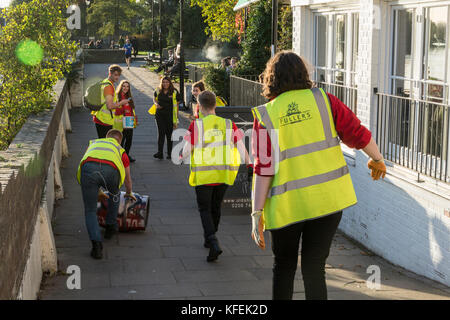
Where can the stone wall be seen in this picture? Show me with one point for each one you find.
(28, 176)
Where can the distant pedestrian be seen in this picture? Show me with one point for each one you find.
(127, 110)
(167, 100)
(302, 181)
(128, 49)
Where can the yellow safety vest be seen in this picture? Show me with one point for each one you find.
(104, 114)
(105, 149)
(215, 158)
(175, 106)
(311, 176)
(219, 103)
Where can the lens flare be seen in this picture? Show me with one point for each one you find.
(29, 52)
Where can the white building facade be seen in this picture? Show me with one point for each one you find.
(389, 61)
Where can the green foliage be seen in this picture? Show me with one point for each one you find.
(284, 28)
(256, 45)
(113, 17)
(26, 88)
(220, 18)
(217, 80)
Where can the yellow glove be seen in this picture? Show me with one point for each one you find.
(131, 196)
(378, 168)
(258, 229)
(102, 196)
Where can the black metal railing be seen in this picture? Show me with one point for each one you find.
(246, 91)
(347, 95)
(415, 134)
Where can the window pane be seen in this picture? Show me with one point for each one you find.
(403, 44)
(340, 41)
(321, 41)
(436, 41)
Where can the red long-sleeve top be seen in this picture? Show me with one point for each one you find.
(348, 127)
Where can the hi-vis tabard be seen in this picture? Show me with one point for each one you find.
(311, 176)
(215, 158)
(105, 149)
(104, 114)
(152, 109)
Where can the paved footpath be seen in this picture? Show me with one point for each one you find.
(168, 261)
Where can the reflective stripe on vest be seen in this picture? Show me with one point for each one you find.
(104, 114)
(105, 149)
(208, 169)
(312, 178)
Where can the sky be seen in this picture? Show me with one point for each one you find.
(4, 3)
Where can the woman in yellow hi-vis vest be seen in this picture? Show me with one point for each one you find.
(302, 182)
(167, 100)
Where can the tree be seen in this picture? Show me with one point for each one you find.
(256, 45)
(112, 17)
(35, 52)
(193, 25)
(284, 28)
(220, 18)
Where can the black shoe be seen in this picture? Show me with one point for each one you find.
(169, 157)
(97, 250)
(158, 156)
(214, 251)
(131, 159)
(110, 230)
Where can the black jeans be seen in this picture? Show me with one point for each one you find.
(165, 129)
(102, 130)
(209, 200)
(127, 140)
(317, 235)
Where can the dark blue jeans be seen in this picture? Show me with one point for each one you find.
(93, 176)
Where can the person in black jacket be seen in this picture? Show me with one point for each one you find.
(166, 117)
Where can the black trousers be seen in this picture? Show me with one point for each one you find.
(127, 140)
(316, 235)
(102, 130)
(209, 201)
(165, 129)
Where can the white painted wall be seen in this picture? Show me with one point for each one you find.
(399, 219)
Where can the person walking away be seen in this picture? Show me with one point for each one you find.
(135, 44)
(167, 99)
(104, 118)
(302, 181)
(127, 110)
(128, 48)
(215, 147)
(105, 164)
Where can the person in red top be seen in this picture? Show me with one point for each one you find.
(287, 72)
(127, 110)
(114, 73)
(197, 88)
(210, 196)
(100, 171)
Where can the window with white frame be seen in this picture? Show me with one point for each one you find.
(413, 121)
(335, 53)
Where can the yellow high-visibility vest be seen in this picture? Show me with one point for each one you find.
(215, 158)
(104, 114)
(311, 176)
(105, 149)
(152, 109)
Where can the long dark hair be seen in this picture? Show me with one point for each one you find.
(171, 87)
(286, 71)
